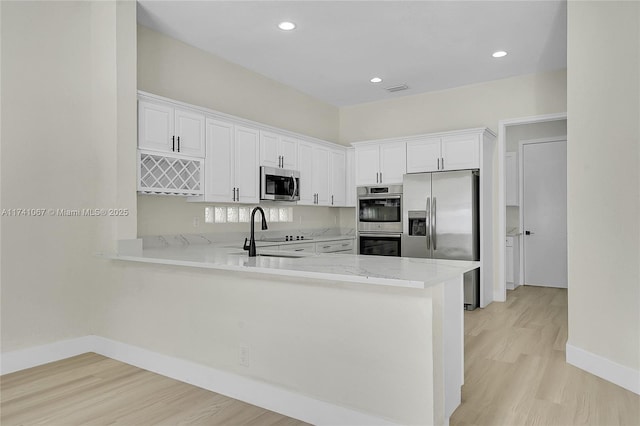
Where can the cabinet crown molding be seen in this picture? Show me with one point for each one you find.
(473, 131)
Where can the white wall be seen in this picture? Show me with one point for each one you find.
(61, 69)
(478, 105)
(603, 180)
(524, 132)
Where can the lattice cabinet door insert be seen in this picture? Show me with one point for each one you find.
(170, 175)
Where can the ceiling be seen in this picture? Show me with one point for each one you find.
(338, 46)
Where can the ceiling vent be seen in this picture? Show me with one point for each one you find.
(397, 88)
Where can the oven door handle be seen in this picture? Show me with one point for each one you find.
(381, 197)
(379, 235)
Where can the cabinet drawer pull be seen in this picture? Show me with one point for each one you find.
(299, 249)
(326, 246)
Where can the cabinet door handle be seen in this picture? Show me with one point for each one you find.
(442, 163)
(237, 194)
(234, 193)
(438, 163)
(178, 143)
(332, 200)
(173, 143)
(380, 177)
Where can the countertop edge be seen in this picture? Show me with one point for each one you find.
(282, 272)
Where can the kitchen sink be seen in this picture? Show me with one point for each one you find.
(292, 256)
(283, 255)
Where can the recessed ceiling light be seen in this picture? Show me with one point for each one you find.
(287, 26)
(376, 80)
(499, 54)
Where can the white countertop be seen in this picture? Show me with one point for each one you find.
(378, 270)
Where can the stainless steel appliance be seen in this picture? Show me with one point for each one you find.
(279, 184)
(380, 244)
(441, 217)
(380, 220)
(380, 209)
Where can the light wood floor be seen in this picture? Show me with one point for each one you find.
(93, 390)
(516, 374)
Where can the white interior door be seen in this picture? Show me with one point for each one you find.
(544, 213)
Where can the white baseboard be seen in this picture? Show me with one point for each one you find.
(252, 391)
(604, 368)
(44, 354)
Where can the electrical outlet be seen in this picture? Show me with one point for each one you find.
(196, 221)
(244, 356)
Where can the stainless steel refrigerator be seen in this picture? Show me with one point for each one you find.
(441, 220)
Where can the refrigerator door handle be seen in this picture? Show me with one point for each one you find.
(428, 219)
(433, 220)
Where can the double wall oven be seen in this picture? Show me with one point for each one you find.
(380, 220)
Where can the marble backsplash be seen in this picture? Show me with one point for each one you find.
(160, 241)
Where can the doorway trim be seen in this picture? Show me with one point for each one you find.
(500, 286)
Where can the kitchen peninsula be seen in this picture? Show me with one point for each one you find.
(382, 336)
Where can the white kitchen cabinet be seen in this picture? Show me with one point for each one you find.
(299, 247)
(231, 165)
(454, 152)
(383, 163)
(509, 259)
(305, 164)
(337, 174)
(350, 173)
(511, 177)
(512, 261)
(164, 127)
(247, 171)
(314, 166)
(338, 246)
(423, 155)
(278, 151)
(460, 152)
(320, 181)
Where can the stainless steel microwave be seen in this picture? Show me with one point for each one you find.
(279, 184)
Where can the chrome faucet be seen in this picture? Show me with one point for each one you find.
(251, 246)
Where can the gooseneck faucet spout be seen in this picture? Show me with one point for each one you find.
(251, 246)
